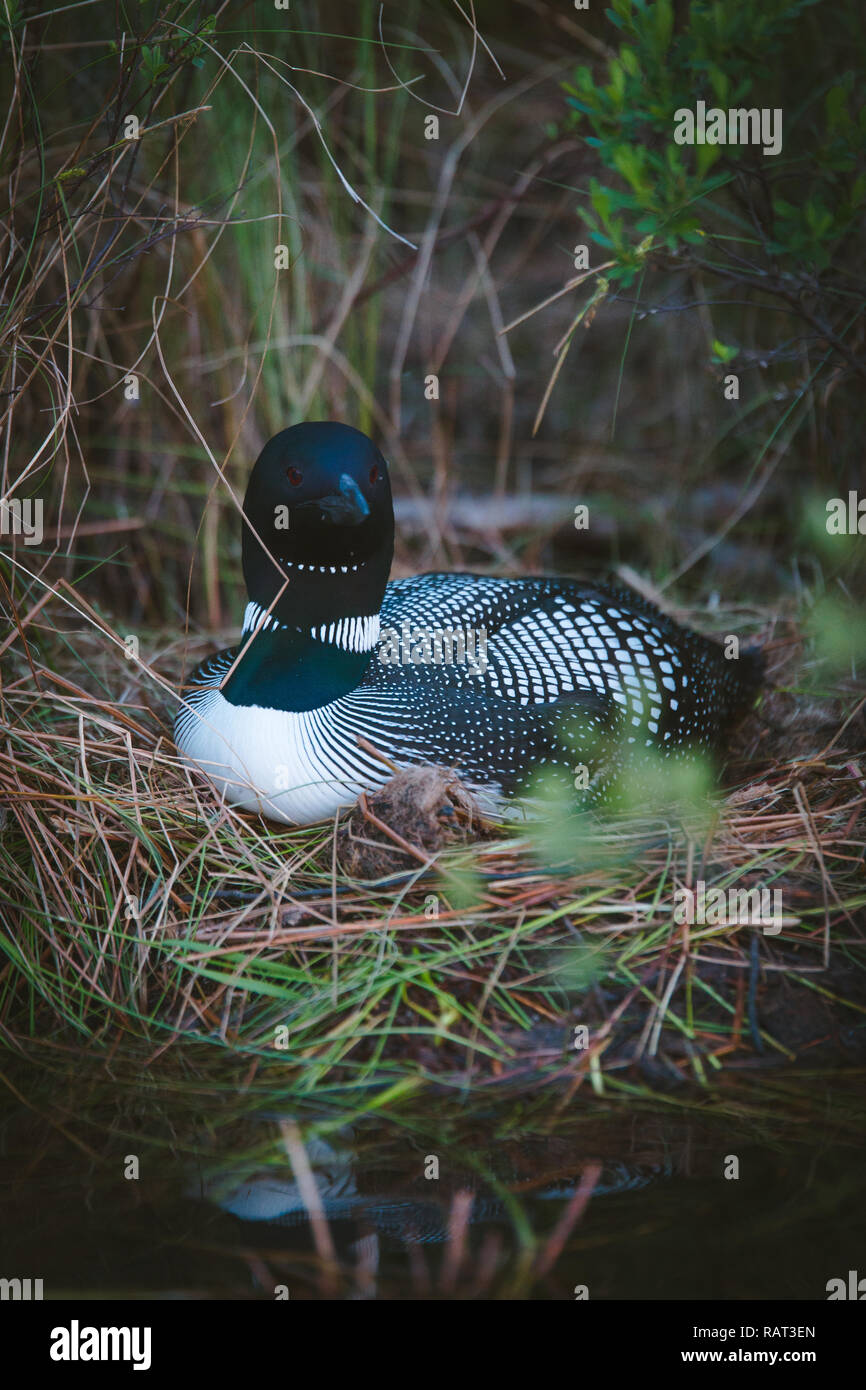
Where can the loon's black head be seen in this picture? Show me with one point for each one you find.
(318, 503)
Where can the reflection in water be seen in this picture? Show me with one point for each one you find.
(239, 1197)
(276, 1197)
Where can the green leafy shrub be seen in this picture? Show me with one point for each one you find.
(729, 56)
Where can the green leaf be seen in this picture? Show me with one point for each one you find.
(706, 156)
(663, 12)
(836, 107)
(723, 352)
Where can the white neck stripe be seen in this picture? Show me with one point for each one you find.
(351, 634)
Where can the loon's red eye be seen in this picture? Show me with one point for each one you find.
(374, 473)
(295, 476)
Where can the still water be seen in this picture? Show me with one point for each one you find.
(174, 1186)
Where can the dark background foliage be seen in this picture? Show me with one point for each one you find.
(157, 257)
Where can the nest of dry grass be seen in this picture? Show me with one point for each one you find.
(135, 906)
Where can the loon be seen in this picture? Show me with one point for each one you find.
(340, 676)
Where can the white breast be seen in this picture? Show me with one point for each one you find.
(291, 766)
